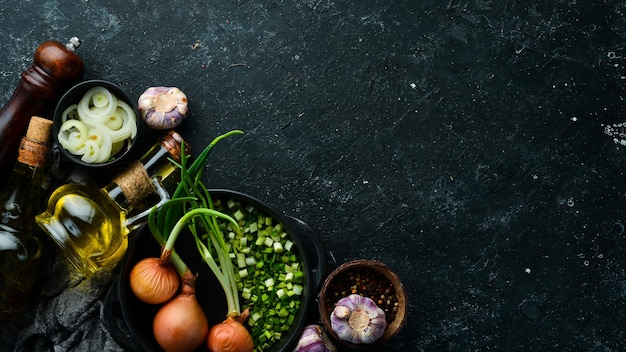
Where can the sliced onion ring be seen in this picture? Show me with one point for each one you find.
(98, 126)
(100, 112)
(72, 135)
(70, 113)
(92, 151)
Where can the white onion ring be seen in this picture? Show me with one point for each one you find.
(98, 126)
(101, 98)
(92, 151)
(95, 135)
(103, 141)
(129, 125)
(72, 135)
(132, 118)
(70, 113)
(115, 121)
(87, 109)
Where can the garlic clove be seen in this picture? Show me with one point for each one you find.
(343, 312)
(357, 319)
(314, 339)
(162, 107)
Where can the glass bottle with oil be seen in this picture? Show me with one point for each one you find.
(91, 225)
(21, 250)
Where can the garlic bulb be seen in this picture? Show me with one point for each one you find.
(162, 108)
(358, 320)
(314, 339)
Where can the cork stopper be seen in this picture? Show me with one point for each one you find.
(35, 145)
(39, 130)
(173, 142)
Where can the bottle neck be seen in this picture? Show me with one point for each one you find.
(22, 188)
(139, 186)
(145, 183)
(20, 194)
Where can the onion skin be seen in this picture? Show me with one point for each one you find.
(230, 335)
(181, 325)
(154, 280)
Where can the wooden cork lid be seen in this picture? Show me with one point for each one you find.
(35, 145)
(39, 130)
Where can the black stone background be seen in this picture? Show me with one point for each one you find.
(459, 142)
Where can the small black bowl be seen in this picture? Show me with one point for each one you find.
(73, 96)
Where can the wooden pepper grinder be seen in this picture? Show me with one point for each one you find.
(55, 68)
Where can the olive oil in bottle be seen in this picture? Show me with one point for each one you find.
(21, 252)
(88, 226)
(91, 225)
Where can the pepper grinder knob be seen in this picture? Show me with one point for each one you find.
(73, 44)
(60, 63)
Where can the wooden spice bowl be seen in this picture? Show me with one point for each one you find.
(368, 278)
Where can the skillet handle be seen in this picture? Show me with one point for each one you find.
(114, 319)
(314, 250)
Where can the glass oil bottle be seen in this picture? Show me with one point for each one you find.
(21, 252)
(91, 225)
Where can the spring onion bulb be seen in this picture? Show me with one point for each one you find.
(199, 217)
(154, 280)
(230, 335)
(97, 127)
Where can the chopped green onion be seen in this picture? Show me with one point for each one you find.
(297, 289)
(241, 260)
(272, 284)
(278, 248)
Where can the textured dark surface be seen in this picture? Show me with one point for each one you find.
(460, 143)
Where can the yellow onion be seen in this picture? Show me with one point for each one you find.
(230, 335)
(154, 280)
(181, 325)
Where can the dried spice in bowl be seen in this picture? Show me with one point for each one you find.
(367, 283)
(369, 279)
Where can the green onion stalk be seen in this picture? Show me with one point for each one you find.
(191, 207)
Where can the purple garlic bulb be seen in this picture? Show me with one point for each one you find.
(358, 320)
(314, 339)
(162, 108)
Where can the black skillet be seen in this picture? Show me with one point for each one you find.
(130, 321)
